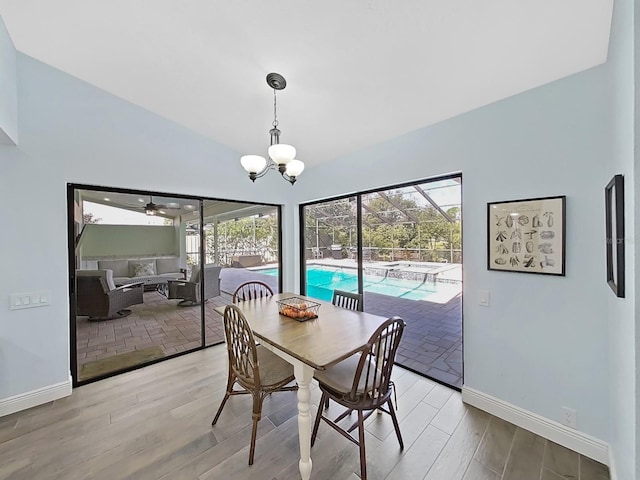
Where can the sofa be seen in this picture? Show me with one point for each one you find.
(150, 271)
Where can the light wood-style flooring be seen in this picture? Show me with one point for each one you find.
(154, 423)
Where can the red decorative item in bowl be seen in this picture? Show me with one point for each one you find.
(298, 308)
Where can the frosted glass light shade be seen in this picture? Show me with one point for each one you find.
(295, 168)
(253, 163)
(281, 153)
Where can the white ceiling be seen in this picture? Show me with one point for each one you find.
(359, 71)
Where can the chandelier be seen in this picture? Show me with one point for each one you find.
(281, 156)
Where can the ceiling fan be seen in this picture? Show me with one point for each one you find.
(154, 208)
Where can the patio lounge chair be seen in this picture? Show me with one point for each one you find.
(99, 299)
(189, 291)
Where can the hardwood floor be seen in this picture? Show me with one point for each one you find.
(154, 423)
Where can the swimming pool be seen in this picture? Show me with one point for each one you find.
(322, 281)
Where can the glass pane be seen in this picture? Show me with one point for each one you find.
(412, 268)
(330, 245)
(243, 240)
(152, 245)
(129, 252)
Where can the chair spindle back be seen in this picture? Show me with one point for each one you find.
(373, 374)
(251, 290)
(351, 301)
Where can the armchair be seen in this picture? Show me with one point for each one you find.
(99, 299)
(189, 291)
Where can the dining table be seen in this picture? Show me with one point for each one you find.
(308, 345)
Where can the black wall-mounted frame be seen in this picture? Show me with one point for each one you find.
(527, 235)
(614, 218)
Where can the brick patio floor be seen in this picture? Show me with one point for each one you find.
(431, 344)
(432, 341)
(156, 322)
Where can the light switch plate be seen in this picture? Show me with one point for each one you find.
(483, 298)
(18, 301)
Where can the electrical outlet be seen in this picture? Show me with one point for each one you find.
(569, 417)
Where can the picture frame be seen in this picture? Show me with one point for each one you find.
(527, 236)
(614, 228)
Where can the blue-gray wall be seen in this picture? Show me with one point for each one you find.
(623, 334)
(545, 342)
(73, 132)
(542, 343)
(634, 234)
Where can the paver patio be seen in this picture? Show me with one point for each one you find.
(431, 344)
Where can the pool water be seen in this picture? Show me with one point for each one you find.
(322, 281)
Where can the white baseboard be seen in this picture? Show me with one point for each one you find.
(551, 430)
(33, 398)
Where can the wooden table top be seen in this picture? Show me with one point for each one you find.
(336, 334)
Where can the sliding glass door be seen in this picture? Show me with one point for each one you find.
(148, 269)
(245, 243)
(401, 248)
(129, 266)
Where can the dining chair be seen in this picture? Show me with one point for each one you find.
(352, 301)
(257, 370)
(362, 383)
(251, 290)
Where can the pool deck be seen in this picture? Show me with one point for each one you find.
(432, 342)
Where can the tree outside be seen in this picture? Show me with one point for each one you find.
(397, 224)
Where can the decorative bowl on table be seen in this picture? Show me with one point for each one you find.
(298, 308)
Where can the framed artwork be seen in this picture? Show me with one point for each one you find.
(527, 236)
(614, 218)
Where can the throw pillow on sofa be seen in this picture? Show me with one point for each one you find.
(143, 269)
